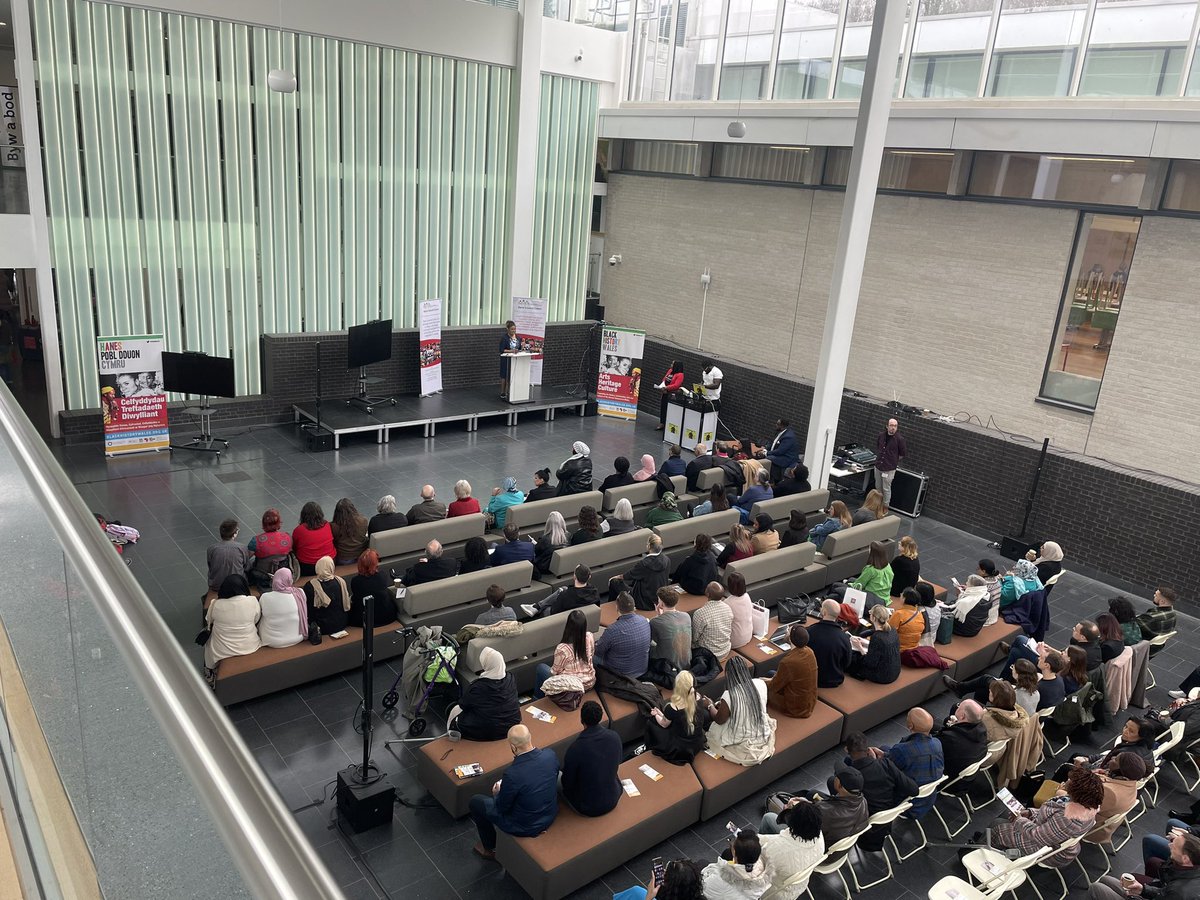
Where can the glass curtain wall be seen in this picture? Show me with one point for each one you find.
(806, 45)
(697, 43)
(1137, 49)
(948, 48)
(1036, 43)
(653, 36)
(857, 36)
(749, 36)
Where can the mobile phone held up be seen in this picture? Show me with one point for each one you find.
(658, 867)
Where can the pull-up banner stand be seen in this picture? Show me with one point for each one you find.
(620, 380)
(530, 315)
(132, 399)
(431, 346)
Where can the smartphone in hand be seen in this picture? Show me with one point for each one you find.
(658, 867)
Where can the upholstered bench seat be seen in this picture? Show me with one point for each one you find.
(682, 534)
(577, 849)
(435, 768)
(971, 655)
(866, 704)
(522, 652)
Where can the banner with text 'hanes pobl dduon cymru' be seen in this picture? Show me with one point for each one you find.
(132, 400)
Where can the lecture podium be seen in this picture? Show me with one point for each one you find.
(690, 421)
(518, 376)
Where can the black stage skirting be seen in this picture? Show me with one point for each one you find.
(459, 405)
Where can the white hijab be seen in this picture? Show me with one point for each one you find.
(493, 664)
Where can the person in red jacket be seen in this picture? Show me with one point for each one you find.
(670, 384)
(312, 538)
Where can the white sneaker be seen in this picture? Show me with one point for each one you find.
(529, 609)
(1178, 695)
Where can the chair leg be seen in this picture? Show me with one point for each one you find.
(992, 785)
(959, 830)
(1151, 683)
(921, 846)
(854, 875)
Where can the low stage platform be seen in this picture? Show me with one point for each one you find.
(459, 405)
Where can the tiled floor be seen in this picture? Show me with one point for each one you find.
(302, 737)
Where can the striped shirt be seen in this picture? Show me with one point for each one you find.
(1047, 826)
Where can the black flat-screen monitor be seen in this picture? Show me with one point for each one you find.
(370, 343)
(198, 373)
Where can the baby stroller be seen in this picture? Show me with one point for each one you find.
(427, 674)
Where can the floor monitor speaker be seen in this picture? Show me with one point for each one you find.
(317, 440)
(364, 805)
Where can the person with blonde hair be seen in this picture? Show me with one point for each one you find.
(677, 731)
(871, 510)
(880, 662)
(906, 567)
(739, 546)
(839, 518)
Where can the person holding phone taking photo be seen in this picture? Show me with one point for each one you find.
(678, 879)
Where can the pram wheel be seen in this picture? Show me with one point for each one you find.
(417, 728)
(390, 699)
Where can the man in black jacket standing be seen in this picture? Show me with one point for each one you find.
(589, 774)
(964, 738)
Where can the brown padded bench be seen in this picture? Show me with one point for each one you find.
(454, 793)
(522, 652)
(577, 850)
(643, 496)
(606, 557)
(762, 661)
(271, 669)
(866, 704)
(531, 517)
(797, 741)
(676, 535)
(455, 602)
(971, 655)
(781, 573)
(844, 552)
(780, 508)
(401, 547)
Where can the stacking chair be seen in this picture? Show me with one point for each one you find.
(995, 752)
(985, 864)
(1155, 643)
(1045, 715)
(1050, 583)
(801, 877)
(1174, 735)
(963, 777)
(1189, 758)
(927, 790)
(836, 857)
(954, 888)
(883, 817)
(1088, 840)
(1131, 816)
(1057, 870)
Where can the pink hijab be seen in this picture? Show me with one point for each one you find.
(281, 582)
(646, 472)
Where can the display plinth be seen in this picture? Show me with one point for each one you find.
(518, 376)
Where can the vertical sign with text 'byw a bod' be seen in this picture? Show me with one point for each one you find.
(620, 379)
(133, 402)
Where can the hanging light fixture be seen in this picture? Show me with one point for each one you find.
(282, 81)
(737, 128)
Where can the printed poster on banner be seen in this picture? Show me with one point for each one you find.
(620, 379)
(13, 155)
(132, 399)
(431, 347)
(530, 315)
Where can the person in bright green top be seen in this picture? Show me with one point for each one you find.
(666, 511)
(503, 498)
(876, 576)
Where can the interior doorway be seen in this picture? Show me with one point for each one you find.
(21, 360)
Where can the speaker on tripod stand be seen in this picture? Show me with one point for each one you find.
(316, 438)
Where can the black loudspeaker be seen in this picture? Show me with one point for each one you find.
(593, 310)
(317, 440)
(364, 805)
(1017, 547)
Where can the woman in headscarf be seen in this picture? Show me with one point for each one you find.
(971, 608)
(1022, 579)
(502, 498)
(646, 472)
(742, 732)
(488, 707)
(1048, 562)
(575, 474)
(666, 511)
(284, 619)
(231, 619)
(328, 598)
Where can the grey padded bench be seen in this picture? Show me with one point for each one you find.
(677, 535)
(535, 644)
(401, 547)
(780, 508)
(844, 552)
(781, 573)
(606, 557)
(531, 517)
(455, 602)
(643, 496)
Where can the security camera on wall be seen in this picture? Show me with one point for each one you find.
(615, 260)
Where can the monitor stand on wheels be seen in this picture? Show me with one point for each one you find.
(363, 400)
(203, 443)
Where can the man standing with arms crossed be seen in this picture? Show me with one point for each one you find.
(889, 450)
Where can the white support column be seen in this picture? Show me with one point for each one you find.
(31, 130)
(526, 119)
(859, 208)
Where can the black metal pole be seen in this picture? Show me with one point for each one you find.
(368, 679)
(318, 352)
(1037, 476)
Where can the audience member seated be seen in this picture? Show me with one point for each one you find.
(797, 847)
(577, 594)
(838, 518)
(1120, 778)
(1137, 737)
(284, 620)
(514, 549)
(231, 619)
(756, 493)
(716, 502)
(524, 803)
(932, 610)
(269, 548)
(793, 688)
(741, 731)
(666, 512)
(1112, 639)
(1051, 688)
(646, 472)
(964, 738)
(1057, 820)
(349, 529)
(881, 661)
(742, 629)
(621, 521)
(371, 582)
(1160, 618)
(496, 611)
(990, 574)
(884, 785)
(906, 567)
(574, 655)
(502, 498)
(876, 576)
(589, 775)
(1084, 636)
(919, 756)
(624, 647)
(1048, 562)
(843, 810)
(328, 598)
(1022, 674)
(794, 481)
(701, 461)
(1075, 671)
(671, 631)
(430, 509)
(648, 574)
(431, 567)
(1022, 579)
(739, 546)
(742, 876)
(712, 624)
(228, 557)
(681, 881)
(475, 556)
(971, 609)
(796, 531)
(677, 731)
(1178, 878)
(764, 538)
(542, 488)
(908, 618)
(620, 476)
(673, 465)
(575, 474)
(463, 503)
(1122, 610)
(871, 510)
(698, 568)
(589, 527)
(386, 517)
(554, 537)
(830, 645)
(1003, 718)
(488, 707)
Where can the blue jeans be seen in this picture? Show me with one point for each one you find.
(1155, 845)
(1020, 650)
(483, 814)
(769, 824)
(540, 674)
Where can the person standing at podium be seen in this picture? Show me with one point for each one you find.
(711, 383)
(670, 385)
(509, 343)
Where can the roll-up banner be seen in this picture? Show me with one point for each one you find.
(620, 379)
(530, 315)
(431, 347)
(132, 399)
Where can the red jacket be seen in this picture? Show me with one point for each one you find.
(672, 381)
(310, 545)
(462, 507)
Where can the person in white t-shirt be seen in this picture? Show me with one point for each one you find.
(711, 380)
